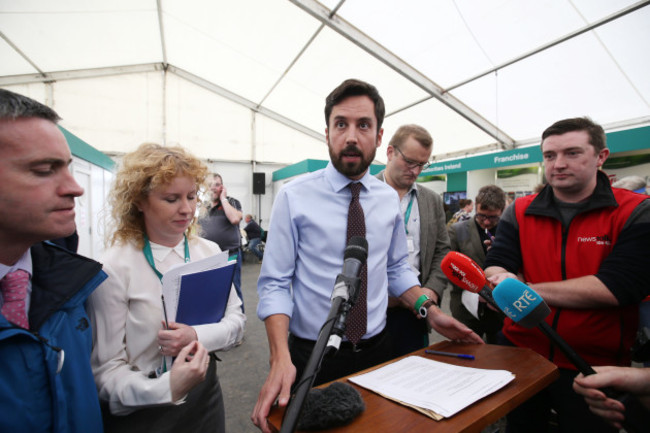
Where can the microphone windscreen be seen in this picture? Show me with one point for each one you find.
(357, 248)
(463, 272)
(333, 406)
(520, 302)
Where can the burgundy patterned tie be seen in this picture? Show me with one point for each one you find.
(358, 319)
(14, 291)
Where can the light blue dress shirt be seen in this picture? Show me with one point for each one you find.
(305, 246)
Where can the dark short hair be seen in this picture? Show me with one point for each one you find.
(595, 131)
(352, 87)
(15, 106)
(464, 202)
(420, 135)
(491, 197)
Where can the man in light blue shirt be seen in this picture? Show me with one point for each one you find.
(304, 254)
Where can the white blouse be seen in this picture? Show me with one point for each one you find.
(126, 315)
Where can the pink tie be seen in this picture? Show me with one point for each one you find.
(14, 291)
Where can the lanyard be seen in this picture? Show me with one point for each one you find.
(149, 255)
(407, 215)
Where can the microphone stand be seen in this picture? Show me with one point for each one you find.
(344, 296)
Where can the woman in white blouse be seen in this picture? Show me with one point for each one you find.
(153, 202)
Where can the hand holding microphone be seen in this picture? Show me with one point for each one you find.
(525, 307)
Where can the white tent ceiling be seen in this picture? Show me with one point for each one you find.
(246, 80)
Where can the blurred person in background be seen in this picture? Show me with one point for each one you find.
(473, 238)
(464, 213)
(254, 236)
(221, 225)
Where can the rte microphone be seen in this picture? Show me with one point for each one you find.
(468, 275)
(525, 307)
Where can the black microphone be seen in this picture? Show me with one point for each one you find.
(346, 288)
(344, 294)
(333, 406)
(354, 257)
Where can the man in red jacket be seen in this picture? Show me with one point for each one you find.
(582, 245)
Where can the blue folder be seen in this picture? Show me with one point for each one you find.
(204, 296)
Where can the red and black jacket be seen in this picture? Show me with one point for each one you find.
(609, 238)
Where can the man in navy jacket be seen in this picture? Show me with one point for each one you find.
(46, 384)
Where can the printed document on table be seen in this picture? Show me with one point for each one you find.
(434, 388)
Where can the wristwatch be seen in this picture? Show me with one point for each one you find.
(422, 305)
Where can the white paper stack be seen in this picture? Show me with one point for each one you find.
(434, 388)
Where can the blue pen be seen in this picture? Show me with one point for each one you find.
(453, 355)
(487, 232)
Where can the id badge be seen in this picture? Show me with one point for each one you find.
(410, 244)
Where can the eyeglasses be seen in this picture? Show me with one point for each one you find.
(413, 164)
(482, 216)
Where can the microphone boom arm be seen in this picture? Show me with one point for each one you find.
(344, 295)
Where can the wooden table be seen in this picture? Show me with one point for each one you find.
(532, 374)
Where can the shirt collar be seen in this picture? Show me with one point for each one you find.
(160, 252)
(413, 190)
(24, 263)
(339, 181)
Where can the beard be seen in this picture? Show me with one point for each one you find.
(351, 169)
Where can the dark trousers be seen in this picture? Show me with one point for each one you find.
(573, 414)
(203, 411)
(406, 332)
(344, 362)
(489, 324)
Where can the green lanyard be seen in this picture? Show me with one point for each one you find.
(149, 255)
(407, 215)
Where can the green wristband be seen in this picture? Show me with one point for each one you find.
(421, 300)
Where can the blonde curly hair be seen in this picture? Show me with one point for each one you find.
(140, 172)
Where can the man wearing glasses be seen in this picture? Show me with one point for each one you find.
(428, 242)
(473, 238)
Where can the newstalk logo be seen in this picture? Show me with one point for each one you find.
(597, 240)
(460, 274)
